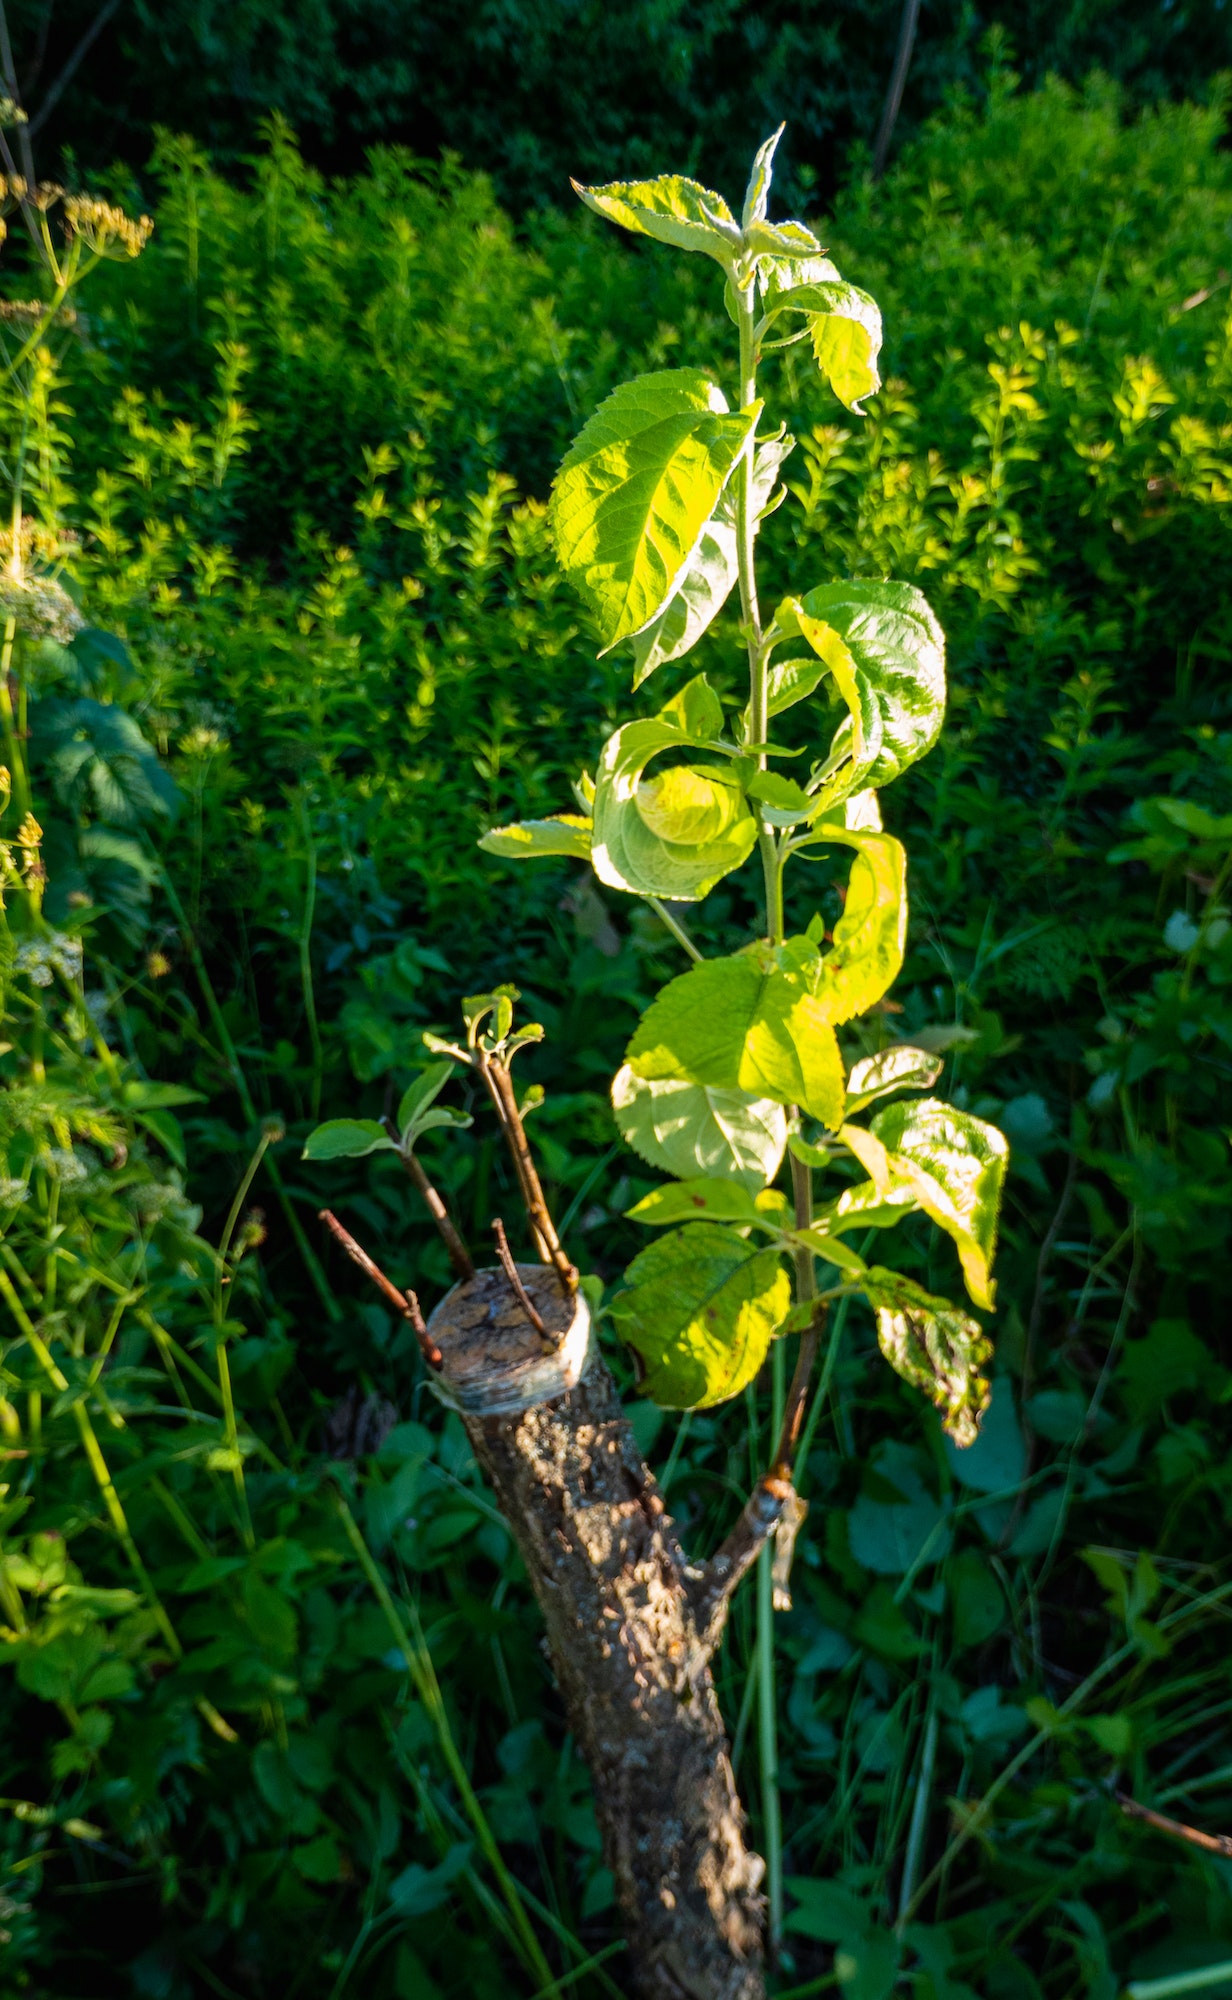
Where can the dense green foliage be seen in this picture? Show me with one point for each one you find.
(538, 90)
(345, 637)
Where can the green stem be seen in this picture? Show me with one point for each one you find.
(415, 1652)
(746, 535)
(305, 966)
(312, 1265)
(677, 930)
(13, 751)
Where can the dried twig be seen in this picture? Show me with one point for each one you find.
(405, 1304)
(1213, 1843)
(520, 1292)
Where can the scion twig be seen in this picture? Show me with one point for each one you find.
(519, 1290)
(405, 1304)
(500, 1088)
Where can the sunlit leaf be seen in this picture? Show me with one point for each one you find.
(703, 591)
(935, 1346)
(897, 704)
(956, 1165)
(701, 1308)
(673, 210)
(705, 1200)
(844, 323)
(678, 833)
(900, 1067)
(536, 839)
(750, 1023)
(689, 1129)
(636, 488)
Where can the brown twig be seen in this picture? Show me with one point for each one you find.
(797, 1394)
(459, 1255)
(500, 1088)
(405, 1304)
(520, 1292)
(713, 1586)
(1213, 1843)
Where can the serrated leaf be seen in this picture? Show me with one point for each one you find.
(636, 488)
(781, 240)
(673, 210)
(689, 1129)
(935, 1346)
(844, 323)
(538, 839)
(347, 1139)
(956, 1165)
(701, 1308)
(677, 834)
(899, 1068)
(897, 650)
(704, 590)
(705, 1200)
(750, 1023)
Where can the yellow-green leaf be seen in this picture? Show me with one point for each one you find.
(701, 1307)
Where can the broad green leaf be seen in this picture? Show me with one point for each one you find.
(792, 619)
(866, 1206)
(898, 652)
(706, 1200)
(636, 488)
(677, 834)
(956, 1165)
(347, 1139)
(783, 802)
(935, 1346)
(790, 681)
(538, 839)
(704, 590)
(871, 934)
(844, 323)
(701, 1308)
(425, 1090)
(780, 240)
(897, 1068)
(690, 1130)
(748, 1023)
(758, 191)
(673, 210)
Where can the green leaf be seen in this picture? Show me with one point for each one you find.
(748, 1023)
(935, 1346)
(677, 834)
(783, 801)
(705, 588)
(673, 210)
(637, 487)
(419, 1113)
(711, 1200)
(689, 1129)
(758, 191)
(898, 1068)
(897, 650)
(347, 1139)
(844, 323)
(956, 1165)
(866, 1206)
(533, 839)
(790, 681)
(871, 934)
(701, 1308)
(828, 1244)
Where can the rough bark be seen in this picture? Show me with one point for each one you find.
(618, 1601)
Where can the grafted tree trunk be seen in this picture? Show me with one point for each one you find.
(622, 1614)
